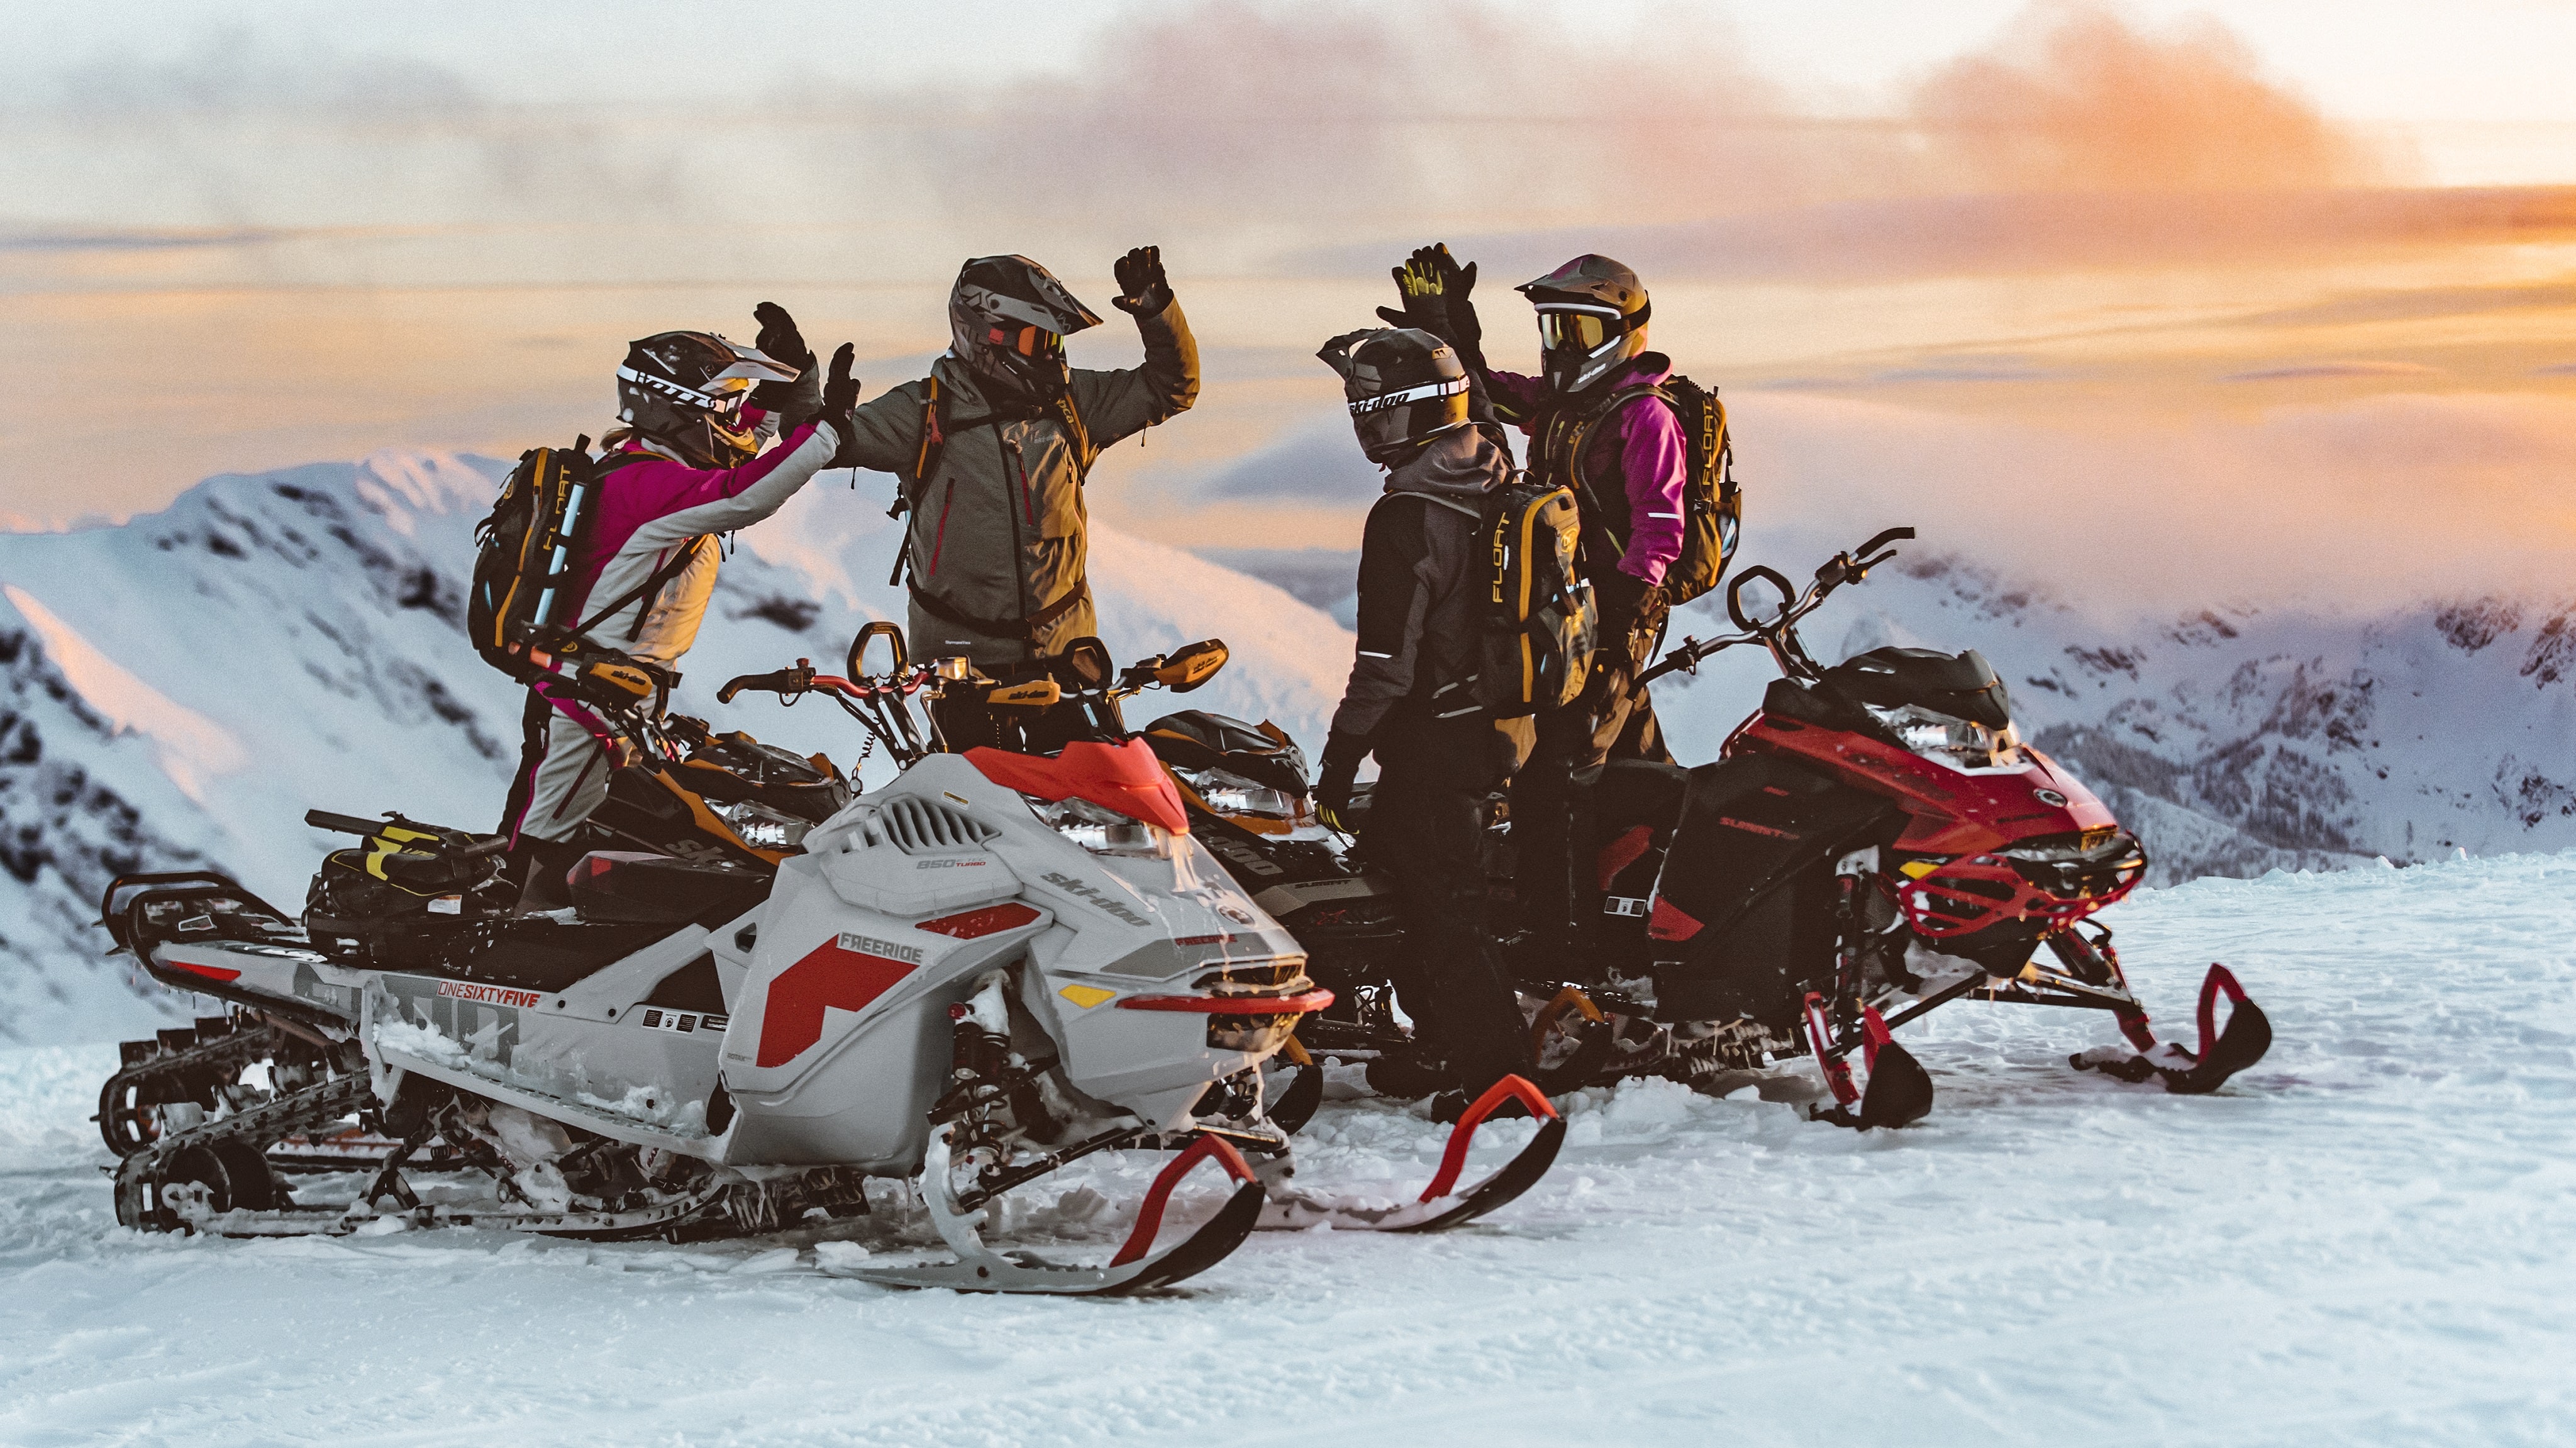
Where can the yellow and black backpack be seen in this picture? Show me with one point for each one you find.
(1540, 618)
(524, 609)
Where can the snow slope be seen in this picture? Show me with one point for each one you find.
(2361, 1241)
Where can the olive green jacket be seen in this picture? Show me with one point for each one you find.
(997, 543)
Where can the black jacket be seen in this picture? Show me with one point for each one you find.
(1420, 607)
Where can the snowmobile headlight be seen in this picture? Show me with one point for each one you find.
(761, 827)
(1960, 743)
(1229, 793)
(1103, 831)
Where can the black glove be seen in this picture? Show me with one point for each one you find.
(1436, 290)
(795, 402)
(1143, 291)
(840, 396)
(1342, 756)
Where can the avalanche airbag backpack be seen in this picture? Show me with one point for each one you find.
(524, 610)
(1539, 616)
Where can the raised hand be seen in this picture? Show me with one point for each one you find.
(1143, 290)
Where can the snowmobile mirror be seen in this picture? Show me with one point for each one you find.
(953, 669)
(1032, 694)
(1753, 608)
(1188, 667)
(891, 633)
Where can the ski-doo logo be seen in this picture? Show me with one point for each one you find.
(870, 945)
(490, 995)
(1238, 853)
(1092, 896)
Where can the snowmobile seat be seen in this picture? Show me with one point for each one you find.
(621, 887)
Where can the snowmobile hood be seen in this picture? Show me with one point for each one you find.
(1464, 465)
(1124, 777)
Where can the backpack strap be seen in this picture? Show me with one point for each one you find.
(653, 584)
(1581, 443)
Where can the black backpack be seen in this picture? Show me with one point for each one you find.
(1712, 506)
(522, 612)
(1540, 618)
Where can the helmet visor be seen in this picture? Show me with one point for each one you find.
(1583, 331)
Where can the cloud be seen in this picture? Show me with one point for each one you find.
(2074, 98)
(1319, 465)
(2300, 370)
(2391, 495)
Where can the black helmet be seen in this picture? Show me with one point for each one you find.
(685, 390)
(1405, 387)
(1591, 317)
(1007, 320)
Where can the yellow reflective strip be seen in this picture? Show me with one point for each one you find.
(1085, 996)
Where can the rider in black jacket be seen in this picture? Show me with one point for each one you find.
(1409, 701)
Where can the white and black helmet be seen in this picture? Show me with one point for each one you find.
(1404, 387)
(1007, 320)
(685, 391)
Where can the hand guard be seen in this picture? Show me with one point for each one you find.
(1143, 290)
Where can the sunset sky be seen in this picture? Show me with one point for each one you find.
(2152, 304)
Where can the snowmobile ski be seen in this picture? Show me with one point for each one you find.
(1135, 1268)
(1443, 1204)
(2223, 1052)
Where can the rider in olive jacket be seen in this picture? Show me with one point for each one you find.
(991, 450)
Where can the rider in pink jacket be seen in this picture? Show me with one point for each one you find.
(686, 467)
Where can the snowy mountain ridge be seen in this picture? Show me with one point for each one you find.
(177, 691)
(2238, 739)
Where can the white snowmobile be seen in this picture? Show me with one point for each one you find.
(993, 966)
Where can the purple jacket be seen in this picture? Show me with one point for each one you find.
(1643, 443)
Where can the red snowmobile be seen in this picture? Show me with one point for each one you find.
(1874, 843)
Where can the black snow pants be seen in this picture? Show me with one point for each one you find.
(1552, 834)
(1426, 828)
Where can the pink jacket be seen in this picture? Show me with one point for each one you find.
(1642, 446)
(649, 508)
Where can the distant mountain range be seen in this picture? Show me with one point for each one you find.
(175, 692)
(2235, 740)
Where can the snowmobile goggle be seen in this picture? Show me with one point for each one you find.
(1027, 341)
(1584, 329)
(722, 396)
(1447, 387)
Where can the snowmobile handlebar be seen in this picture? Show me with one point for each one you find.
(777, 681)
(1780, 635)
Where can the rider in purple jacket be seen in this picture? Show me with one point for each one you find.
(1595, 426)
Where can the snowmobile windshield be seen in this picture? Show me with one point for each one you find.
(1958, 743)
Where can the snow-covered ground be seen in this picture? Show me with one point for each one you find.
(2365, 1239)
